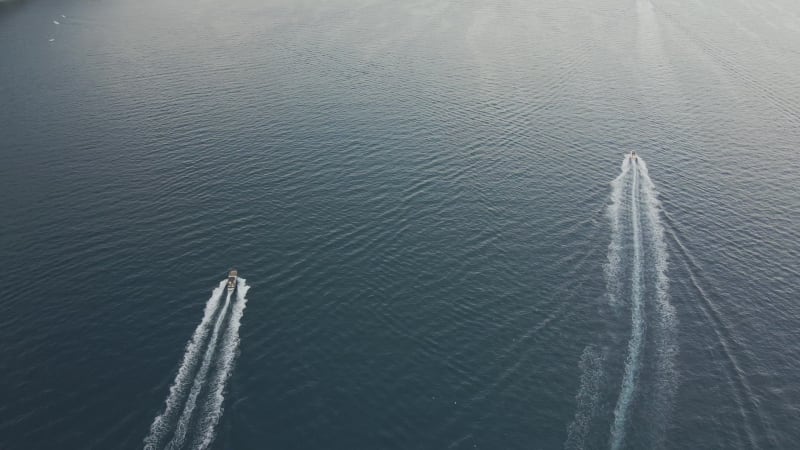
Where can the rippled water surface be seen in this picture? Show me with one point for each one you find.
(442, 243)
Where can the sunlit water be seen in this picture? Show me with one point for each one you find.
(443, 246)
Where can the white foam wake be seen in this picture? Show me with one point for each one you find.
(591, 362)
(652, 208)
(666, 348)
(635, 344)
(591, 367)
(213, 408)
(199, 381)
(160, 427)
(648, 280)
(615, 211)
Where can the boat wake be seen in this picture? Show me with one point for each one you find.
(636, 342)
(202, 376)
(636, 281)
(637, 270)
(588, 398)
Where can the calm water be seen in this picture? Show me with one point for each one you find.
(419, 195)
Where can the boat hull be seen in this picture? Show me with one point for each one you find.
(233, 276)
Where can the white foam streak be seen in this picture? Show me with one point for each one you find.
(652, 208)
(230, 345)
(649, 265)
(636, 341)
(160, 427)
(591, 366)
(199, 380)
(612, 267)
(666, 347)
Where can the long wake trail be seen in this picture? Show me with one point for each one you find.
(213, 408)
(591, 363)
(636, 223)
(199, 381)
(615, 211)
(636, 341)
(160, 427)
(667, 347)
(182, 417)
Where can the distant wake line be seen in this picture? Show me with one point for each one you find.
(202, 376)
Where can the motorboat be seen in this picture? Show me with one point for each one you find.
(233, 275)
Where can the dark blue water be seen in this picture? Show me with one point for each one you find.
(419, 197)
